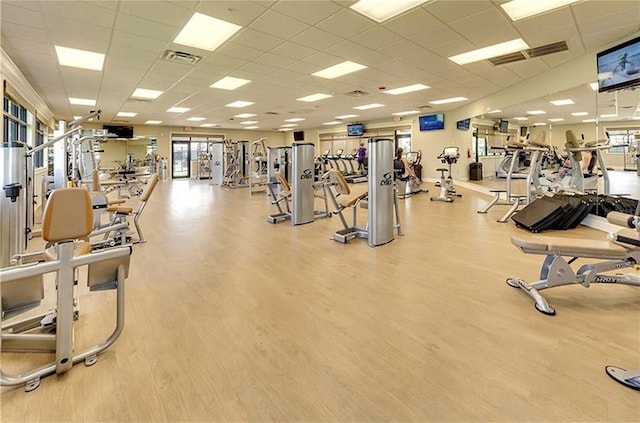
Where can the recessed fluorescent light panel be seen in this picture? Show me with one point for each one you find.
(407, 89)
(339, 70)
(494, 111)
(153, 122)
(196, 119)
(178, 109)
(294, 120)
(346, 116)
(556, 119)
(314, 97)
(245, 115)
(536, 112)
(82, 101)
(563, 102)
(520, 118)
(408, 112)
(251, 127)
(449, 100)
(144, 93)
(205, 32)
(82, 59)
(285, 129)
(229, 83)
(289, 125)
(521, 9)
(588, 120)
(248, 122)
(126, 114)
(540, 124)
(381, 10)
(609, 115)
(208, 125)
(369, 106)
(593, 86)
(333, 122)
(491, 51)
(239, 104)
(579, 114)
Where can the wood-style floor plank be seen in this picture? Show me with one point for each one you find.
(230, 318)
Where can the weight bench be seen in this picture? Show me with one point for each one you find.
(284, 195)
(67, 220)
(621, 251)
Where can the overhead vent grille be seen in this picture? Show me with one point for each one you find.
(272, 113)
(139, 100)
(356, 93)
(507, 58)
(185, 58)
(530, 53)
(547, 49)
(426, 106)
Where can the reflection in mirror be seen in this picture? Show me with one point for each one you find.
(136, 154)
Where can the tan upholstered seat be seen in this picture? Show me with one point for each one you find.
(540, 140)
(569, 247)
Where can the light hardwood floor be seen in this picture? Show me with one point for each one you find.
(230, 318)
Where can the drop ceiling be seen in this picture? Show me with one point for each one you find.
(280, 45)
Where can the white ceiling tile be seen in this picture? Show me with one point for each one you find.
(131, 52)
(590, 10)
(400, 49)
(257, 39)
(611, 21)
(411, 23)
(258, 68)
(554, 20)
(451, 49)
(310, 12)
(81, 30)
(274, 60)
(449, 11)
(145, 28)
(24, 32)
(347, 50)
(376, 38)
(89, 13)
(528, 68)
(14, 13)
(239, 51)
(303, 67)
(293, 50)
(323, 60)
(435, 37)
(227, 61)
(174, 15)
(346, 23)
(238, 12)
(595, 40)
(480, 22)
(316, 38)
(494, 36)
(278, 25)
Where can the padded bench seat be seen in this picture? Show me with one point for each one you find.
(570, 247)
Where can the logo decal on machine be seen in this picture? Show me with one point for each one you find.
(306, 174)
(386, 179)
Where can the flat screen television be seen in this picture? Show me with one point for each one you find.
(619, 66)
(120, 131)
(463, 125)
(503, 126)
(355, 129)
(432, 122)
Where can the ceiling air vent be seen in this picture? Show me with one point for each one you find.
(272, 113)
(547, 49)
(176, 56)
(139, 100)
(507, 58)
(356, 93)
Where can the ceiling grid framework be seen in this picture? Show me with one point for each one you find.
(280, 44)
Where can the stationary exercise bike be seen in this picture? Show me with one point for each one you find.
(449, 155)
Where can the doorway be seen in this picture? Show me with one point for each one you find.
(180, 159)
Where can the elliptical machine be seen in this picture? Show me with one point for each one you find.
(449, 155)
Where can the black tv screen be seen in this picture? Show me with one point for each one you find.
(432, 122)
(619, 66)
(355, 129)
(463, 125)
(119, 130)
(503, 126)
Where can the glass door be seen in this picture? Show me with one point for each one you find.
(180, 159)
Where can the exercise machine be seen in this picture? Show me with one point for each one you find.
(380, 200)
(67, 221)
(303, 185)
(620, 251)
(257, 166)
(411, 183)
(449, 155)
(278, 176)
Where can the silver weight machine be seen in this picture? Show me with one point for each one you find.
(303, 185)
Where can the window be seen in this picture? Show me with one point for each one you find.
(14, 122)
(41, 134)
(623, 140)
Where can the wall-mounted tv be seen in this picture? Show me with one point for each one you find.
(503, 126)
(119, 131)
(463, 125)
(432, 122)
(619, 66)
(355, 129)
